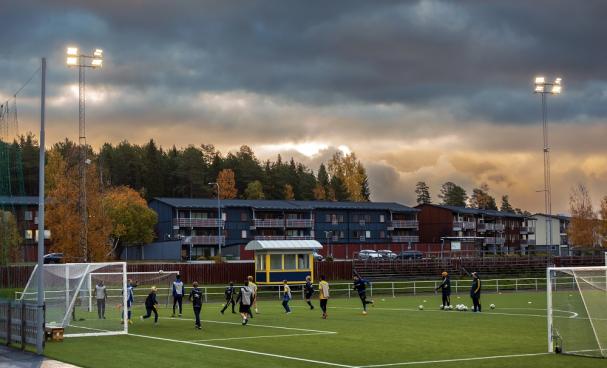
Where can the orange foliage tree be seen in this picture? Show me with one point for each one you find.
(227, 184)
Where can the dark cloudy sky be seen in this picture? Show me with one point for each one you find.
(420, 90)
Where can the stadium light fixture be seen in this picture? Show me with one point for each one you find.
(544, 88)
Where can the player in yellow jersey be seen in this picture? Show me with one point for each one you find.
(253, 287)
(323, 292)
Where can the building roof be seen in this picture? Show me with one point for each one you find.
(476, 211)
(283, 204)
(18, 200)
(559, 217)
(283, 245)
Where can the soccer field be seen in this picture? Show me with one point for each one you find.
(393, 334)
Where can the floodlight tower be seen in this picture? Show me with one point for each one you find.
(83, 61)
(219, 218)
(544, 88)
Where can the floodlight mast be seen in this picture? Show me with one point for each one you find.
(544, 88)
(82, 61)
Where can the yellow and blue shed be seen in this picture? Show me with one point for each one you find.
(278, 260)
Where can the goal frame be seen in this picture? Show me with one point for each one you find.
(549, 285)
(128, 276)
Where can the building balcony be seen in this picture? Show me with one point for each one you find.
(464, 225)
(526, 242)
(495, 241)
(405, 224)
(269, 237)
(194, 222)
(269, 222)
(491, 227)
(204, 240)
(299, 237)
(527, 230)
(299, 223)
(405, 239)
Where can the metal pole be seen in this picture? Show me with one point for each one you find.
(40, 299)
(82, 166)
(547, 186)
(218, 220)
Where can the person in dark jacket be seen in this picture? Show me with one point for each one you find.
(196, 300)
(475, 292)
(360, 285)
(178, 293)
(445, 287)
(309, 291)
(150, 305)
(229, 297)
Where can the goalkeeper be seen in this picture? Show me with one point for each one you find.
(150, 306)
(475, 292)
(445, 287)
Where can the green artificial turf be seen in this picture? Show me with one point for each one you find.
(394, 331)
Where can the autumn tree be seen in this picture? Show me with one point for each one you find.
(505, 206)
(350, 172)
(132, 220)
(10, 239)
(423, 193)
(227, 184)
(481, 198)
(319, 193)
(63, 214)
(582, 229)
(452, 194)
(254, 190)
(288, 192)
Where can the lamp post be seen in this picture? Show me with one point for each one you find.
(544, 88)
(218, 219)
(328, 235)
(83, 61)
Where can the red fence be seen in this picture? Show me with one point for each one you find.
(221, 273)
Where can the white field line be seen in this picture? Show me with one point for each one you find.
(245, 351)
(453, 360)
(252, 325)
(454, 311)
(265, 336)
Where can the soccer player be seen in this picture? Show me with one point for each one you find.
(196, 299)
(245, 297)
(475, 292)
(286, 296)
(308, 291)
(445, 287)
(229, 295)
(178, 293)
(253, 287)
(101, 297)
(323, 293)
(360, 285)
(150, 306)
(130, 298)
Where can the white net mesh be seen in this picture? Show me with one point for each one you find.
(579, 310)
(66, 295)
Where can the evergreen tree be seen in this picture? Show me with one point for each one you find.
(481, 198)
(323, 179)
(254, 190)
(506, 207)
(452, 194)
(338, 191)
(423, 193)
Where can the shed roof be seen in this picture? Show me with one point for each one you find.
(283, 245)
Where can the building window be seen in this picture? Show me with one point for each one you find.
(382, 234)
(367, 218)
(244, 216)
(368, 234)
(243, 234)
(28, 216)
(303, 262)
(276, 261)
(290, 261)
(382, 218)
(261, 262)
(342, 234)
(29, 234)
(223, 216)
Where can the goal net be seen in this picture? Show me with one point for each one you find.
(577, 310)
(66, 297)
(142, 282)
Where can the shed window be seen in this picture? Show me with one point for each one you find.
(261, 262)
(290, 261)
(276, 261)
(303, 262)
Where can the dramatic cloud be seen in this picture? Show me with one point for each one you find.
(421, 90)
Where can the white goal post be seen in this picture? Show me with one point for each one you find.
(577, 310)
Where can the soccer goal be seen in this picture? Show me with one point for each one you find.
(577, 310)
(143, 282)
(66, 298)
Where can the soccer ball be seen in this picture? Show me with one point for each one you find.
(450, 307)
(364, 313)
(161, 271)
(492, 306)
(465, 308)
(442, 306)
(421, 307)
